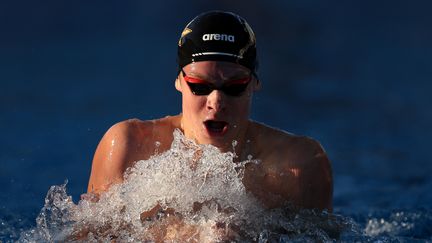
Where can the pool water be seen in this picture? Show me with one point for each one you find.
(353, 75)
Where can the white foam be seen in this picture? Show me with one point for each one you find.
(177, 179)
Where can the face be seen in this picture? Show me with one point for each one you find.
(218, 112)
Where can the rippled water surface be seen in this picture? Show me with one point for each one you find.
(202, 199)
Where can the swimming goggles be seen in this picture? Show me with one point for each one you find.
(201, 87)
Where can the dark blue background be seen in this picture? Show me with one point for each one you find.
(356, 75)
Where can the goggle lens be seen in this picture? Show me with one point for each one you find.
(200, 87)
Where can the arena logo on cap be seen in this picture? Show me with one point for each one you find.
(221, 37)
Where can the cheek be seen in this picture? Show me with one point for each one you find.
(193, 104)
(241, 108)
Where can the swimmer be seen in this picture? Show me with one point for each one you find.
(217, 77)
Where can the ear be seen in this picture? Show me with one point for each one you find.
(178, 84)
(257, 84)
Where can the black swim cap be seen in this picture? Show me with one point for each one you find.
(218, 36)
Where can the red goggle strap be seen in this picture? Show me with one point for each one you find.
(200, 81)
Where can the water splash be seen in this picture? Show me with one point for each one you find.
(190, 193)
(400, 224)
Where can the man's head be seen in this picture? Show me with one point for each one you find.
(217, 76)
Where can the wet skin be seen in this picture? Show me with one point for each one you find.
(293, 169)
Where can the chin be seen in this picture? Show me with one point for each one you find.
(221, 142)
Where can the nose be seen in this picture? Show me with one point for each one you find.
(216, 101)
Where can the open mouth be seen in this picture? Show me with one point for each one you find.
(216, 127)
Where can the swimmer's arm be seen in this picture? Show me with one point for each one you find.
(316, 180)
(111, 158)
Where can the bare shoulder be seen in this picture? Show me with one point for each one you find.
(123, 144)
(297, 150)
(128, 136)
(305, 159)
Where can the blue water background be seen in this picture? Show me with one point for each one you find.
(356, 75)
